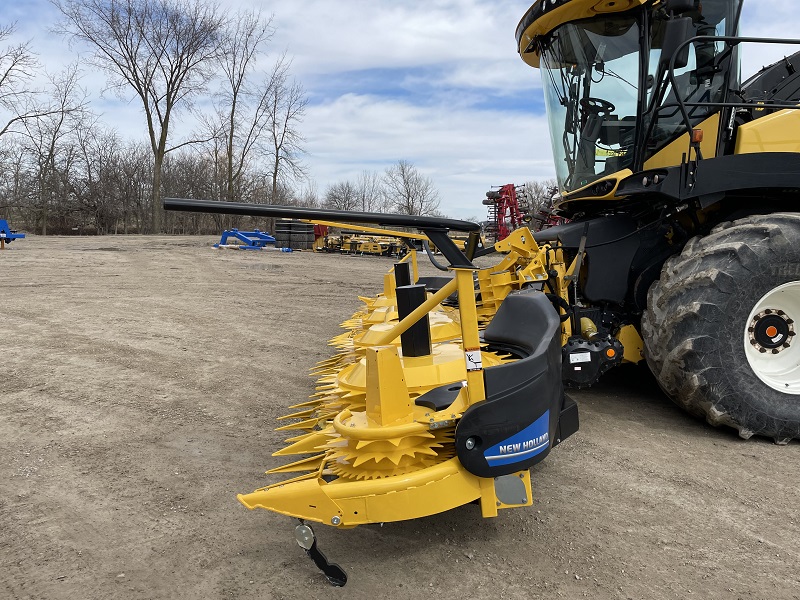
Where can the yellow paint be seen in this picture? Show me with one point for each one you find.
(588, 328)
(385, 232)
(632, 342)
(388, 402)
(488, 498)
(571, 11)
(616, 178)
(470, 338)
(778, 132)
(445, 365)
(672, 154)
(425, 492)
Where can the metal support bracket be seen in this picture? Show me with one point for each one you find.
(306, 539)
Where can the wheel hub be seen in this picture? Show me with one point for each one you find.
(772, 331)
(769, 334)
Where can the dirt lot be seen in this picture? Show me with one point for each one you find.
(139, 383)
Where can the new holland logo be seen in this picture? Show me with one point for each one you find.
(520, 450)
(524, 445)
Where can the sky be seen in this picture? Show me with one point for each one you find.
(436, 82)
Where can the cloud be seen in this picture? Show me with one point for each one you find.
(325, 36)
(777, 19)
(464, 150)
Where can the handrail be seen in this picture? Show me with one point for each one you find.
(731, 41)
(423, 309)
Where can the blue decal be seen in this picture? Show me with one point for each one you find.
(529, 442)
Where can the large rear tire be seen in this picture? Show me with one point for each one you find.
(719, 329)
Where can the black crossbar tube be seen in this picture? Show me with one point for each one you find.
(310, 214)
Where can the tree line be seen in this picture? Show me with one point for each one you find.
(63, 171)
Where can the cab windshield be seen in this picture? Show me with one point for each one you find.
(591, 74)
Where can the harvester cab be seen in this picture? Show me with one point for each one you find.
(625, 80)
(680, 183)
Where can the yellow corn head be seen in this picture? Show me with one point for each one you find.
(442, 391)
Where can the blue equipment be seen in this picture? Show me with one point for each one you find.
(252, 240)
(8, 235)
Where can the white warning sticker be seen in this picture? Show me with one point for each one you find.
(578, 358)
(474, 360)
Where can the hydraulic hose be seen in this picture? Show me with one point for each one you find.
(433, 260)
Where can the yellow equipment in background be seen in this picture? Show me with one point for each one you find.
(355, 239)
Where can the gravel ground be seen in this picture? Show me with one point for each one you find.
(140, 379)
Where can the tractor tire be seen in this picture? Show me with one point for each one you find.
(719, 329)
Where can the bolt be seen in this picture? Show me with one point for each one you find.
(336, 520)
(470, 443)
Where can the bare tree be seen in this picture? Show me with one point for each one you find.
(163, 50)
(15, 184)
(309, 195)
(370, 192)
(285, 103)
(133, 185)
(342, 195)
(408, 191)
(49, 144)
(538, 194)
(243, 114)
(97, 189)
(18, 100)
